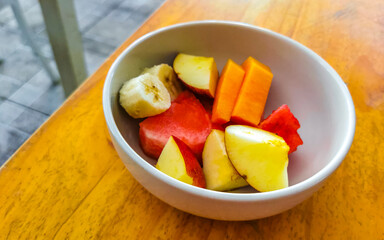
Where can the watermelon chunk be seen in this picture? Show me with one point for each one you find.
(283, 123)
(207, 104)
(186, 119)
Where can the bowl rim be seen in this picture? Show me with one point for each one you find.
(302, 186)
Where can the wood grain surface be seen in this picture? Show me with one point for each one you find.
(67, 182)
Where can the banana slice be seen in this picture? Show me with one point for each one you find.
(168, 77)
(144, 96)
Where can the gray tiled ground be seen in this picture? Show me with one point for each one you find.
(122, 22)
(27, 95)
(10, 140)
(21, 65)
(9, 42)
(34, 17)
(8, 86)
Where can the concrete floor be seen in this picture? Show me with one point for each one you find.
(27, 95)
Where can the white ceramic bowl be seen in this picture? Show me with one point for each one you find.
(314, 91)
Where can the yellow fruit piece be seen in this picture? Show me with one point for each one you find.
(144, 96)
(220, 175)
(260, 157)
(168, 77)
(198, 73)
(171, 162)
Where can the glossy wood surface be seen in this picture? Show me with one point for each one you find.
(67, 182)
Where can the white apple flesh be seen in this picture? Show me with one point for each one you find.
(198, 73)
(177, 161)
(220, 175)
(260, 157)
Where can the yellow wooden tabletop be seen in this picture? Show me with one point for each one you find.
(67, 181)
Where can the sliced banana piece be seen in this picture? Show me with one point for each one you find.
(168, 77)
(144, 96)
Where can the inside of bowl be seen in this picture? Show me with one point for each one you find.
(309, 89)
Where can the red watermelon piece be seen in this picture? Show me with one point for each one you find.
(186, 119)
(207, 103)
(283, 123)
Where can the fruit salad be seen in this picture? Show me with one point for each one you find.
(207, 129)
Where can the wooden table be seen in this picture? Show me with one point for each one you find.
(67, 181)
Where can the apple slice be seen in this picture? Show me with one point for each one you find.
(220, 175)
(260, 157)
(178, 161)
(198, 73)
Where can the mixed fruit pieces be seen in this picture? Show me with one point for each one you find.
(212, 135)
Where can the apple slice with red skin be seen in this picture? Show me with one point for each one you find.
(198, 73)
(178, 161)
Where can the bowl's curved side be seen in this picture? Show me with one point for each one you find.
(204, 202)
